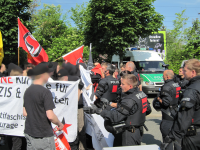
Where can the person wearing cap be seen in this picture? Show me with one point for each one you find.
(38, 109)
(64, 75)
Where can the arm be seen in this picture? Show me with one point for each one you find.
(122, 112)
(148, 108)
(165, 96)
(101, 89)
(54, 119)
(186, 112)
(24, 112)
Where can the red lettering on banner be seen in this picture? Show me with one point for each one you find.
(144, 105)
(177, 91)
(114, 89)
(6, 80)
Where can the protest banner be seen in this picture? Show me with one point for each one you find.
(65, 97)
(94, 124)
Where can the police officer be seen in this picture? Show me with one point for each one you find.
(129, 116)
(107, 89)
(187, 124)
(167, 102)
(130, 66)
(180, 79)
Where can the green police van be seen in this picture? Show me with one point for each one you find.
(149, 65)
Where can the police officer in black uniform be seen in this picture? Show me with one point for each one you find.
(167, 102)
(187, 124)
(129, 116)
(180, 79)
(130, 66)
(107, 89)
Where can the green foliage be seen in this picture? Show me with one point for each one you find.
(114, 24)
(10, 10)
(53, 34)
(182, 43)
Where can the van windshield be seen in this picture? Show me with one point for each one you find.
(150, 66)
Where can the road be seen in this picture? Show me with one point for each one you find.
(153, 136)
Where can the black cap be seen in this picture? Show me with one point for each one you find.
(12, 66)
(41, 68)
(62, 72)
(30, 72)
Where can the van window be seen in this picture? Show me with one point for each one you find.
(150, 65)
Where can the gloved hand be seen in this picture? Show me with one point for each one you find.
(167, 139)
(92, 110)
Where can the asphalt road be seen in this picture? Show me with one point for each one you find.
(153, 136)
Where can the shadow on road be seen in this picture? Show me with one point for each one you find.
(157, 121)
(149, 139)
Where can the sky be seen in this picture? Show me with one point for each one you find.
(167, 8)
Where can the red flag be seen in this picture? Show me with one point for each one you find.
(75, 56)
(30, 45)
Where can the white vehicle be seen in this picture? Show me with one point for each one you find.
(150, 67)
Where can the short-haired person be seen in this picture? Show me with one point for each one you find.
(38, 109)
(103, 68)
(15, 142)
(107, 89)
(130, 66)
(180, 79)
(187, 124)
(167, 102)
(132, 109)
(123, 67)
(27, 67)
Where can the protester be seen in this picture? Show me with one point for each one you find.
(16, 140)
(38, 109)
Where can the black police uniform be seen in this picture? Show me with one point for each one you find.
(132, 110)
(107, 89)
(170, 97)
(187, 124)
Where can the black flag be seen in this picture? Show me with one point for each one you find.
(90, 61)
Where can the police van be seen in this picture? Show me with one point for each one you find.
(149, 65)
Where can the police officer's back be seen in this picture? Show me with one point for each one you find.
(167, 102)
(129, 116)
(108, 86)
(187, 124)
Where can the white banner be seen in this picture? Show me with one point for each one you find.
(65, 97)
(94, 124)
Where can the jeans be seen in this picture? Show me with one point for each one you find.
(45, 143)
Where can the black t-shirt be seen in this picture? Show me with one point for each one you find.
(37, 100)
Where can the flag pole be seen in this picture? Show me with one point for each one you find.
(57, 59)
(18, 56)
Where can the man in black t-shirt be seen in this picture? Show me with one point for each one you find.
(38, 108)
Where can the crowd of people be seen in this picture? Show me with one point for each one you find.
(119, 100)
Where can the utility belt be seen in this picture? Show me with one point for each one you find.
(118, 128)
(192, 130)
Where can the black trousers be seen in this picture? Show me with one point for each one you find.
(130, 139)
(191, 142)
(165, 128)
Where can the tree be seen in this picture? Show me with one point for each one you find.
(114, 24)
(53, 34)
(182, 43)
(10, 10)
